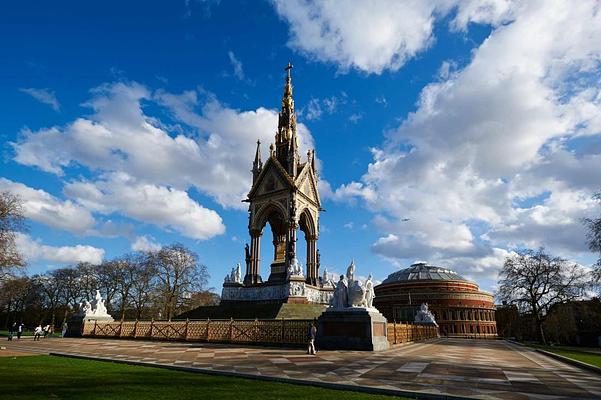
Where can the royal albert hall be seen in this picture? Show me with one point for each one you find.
(459, 306)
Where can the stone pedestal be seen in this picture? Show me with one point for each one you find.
(352, 329)
(76, 323)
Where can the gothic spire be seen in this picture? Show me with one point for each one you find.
(285, 139)
(258, 163)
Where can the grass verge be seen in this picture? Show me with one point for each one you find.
(585, 357)
(42, 377)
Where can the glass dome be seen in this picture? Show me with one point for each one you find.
(423, 272)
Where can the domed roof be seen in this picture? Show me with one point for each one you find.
(423, 272)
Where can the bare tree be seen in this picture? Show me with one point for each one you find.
(143, 283)
(88, 279)
(179, 275)
(51, 290)
(535, 281)
(19, 294)
(127, 268)
(71, 292)
(11, 222)
(594, 240)
(108, 277)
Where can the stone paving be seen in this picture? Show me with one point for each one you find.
(461, 367)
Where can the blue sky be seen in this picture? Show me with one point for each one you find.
(452, 132)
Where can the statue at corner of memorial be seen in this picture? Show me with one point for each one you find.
(424, 316)
(238, 274)
(339, 299)
(85, 308)
(235, 275)
(369, 292)
(100, 308)
(350, 271)
(94, 308)
(326, 281)
(350, 293)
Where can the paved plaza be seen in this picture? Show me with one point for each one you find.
(470, 368)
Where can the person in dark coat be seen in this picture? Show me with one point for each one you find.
(312, 335)
(11, 330)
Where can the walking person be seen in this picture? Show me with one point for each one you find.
(20, 330)
(312, 335)
(37, 333)
(11, 330)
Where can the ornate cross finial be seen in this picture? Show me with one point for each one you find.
(288, 68)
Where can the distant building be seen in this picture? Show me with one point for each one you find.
(459, 306)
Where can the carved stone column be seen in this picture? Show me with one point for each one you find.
(312, 273)
(253, 275)
(291, 244)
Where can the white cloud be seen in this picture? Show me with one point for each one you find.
(377, 35)
(487, 140)
(236, 65)
(354, 118)
(120, 137)
(41, 206)
(44, 96)
(159, 205)
(145, 243)
(313, 110)
(317, 107)
(34, 250)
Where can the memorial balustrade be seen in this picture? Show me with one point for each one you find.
(405, 333)
(284, 331)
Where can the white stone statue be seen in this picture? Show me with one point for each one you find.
(350, 293)
(235, 275)
(326, 280)
(295, 269)
(340, 297)
(94, 309)
(356, 294)
(350, 272)
(85, 308)
(238, 274)
(424, 316)
(99, 307)
(369, 292)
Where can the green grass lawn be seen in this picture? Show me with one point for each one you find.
(586, 357)
(43, 377)
(589, 355)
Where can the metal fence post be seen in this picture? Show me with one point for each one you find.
(186, 329)
(150, 331)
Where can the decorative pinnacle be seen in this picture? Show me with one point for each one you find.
(288, 88)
